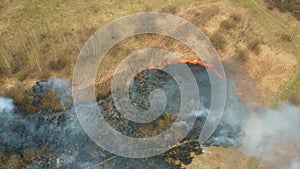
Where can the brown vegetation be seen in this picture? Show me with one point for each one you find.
(230, 22)
(14, 161)
(241, 55)
(254, 46)
(153, 129)
(292, 6)
(43, 44)
(218, 40)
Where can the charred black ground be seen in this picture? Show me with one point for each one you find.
(72, 148)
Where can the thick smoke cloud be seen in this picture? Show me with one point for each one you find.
(272, 135)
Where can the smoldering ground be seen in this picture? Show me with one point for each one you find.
(272, 135)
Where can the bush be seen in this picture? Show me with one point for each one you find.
(2, 71)
(58, 64)
(252, 164)
(292, 6)
(171, 9)
(148, 8)
(22, 97)
(204, 16)
(51, 101)
(285, 37)
(295, 98)
(270, 7)
(230, 22)
(28, 156)
(236, 17)
(146, 130)
(44, 75)
(241, 55)
(157, 127)
(218, 40)
(227, 24)
(14, 162)
(20, 76)
(254, 46)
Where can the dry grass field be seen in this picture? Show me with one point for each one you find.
(259, 46)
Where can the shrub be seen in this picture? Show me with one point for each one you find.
(241, 55)
(44, 75)
(14, 162)
(230, 22)
(295, 98)
(157, 127)
(1, 70)
(254, 46)
(145, 130)
(290, 37)
(28, 156)
(218, 40)
(20, 76)
(292, 6)
(270, 7)
(103, 89)
(285, 37)
(148, 8)
(51, 101)
(204, 16)
(235, 17)
(22, 97)
(227, 24)
(58, 64)
(252, 164)
(171, 9)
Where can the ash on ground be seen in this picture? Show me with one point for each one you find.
(61, 133)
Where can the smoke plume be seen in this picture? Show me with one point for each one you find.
(61, 87)
(272, 135)
(6, 105)
(295, 165)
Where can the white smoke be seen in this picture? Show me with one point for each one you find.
(61, 87)
(6, 110)
(295, 165)
(272, 135)
(6, 105)
(45, 129)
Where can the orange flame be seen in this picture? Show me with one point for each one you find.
(238, 92)
(192, 62)
(200, 63)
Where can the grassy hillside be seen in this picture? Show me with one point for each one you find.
(41, 39)
(286, 29)
(259, 46)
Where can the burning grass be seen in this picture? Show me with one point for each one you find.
(50, 40)
(114, 57)
(51, 48)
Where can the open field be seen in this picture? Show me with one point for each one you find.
(42, 39)
(259, 47)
